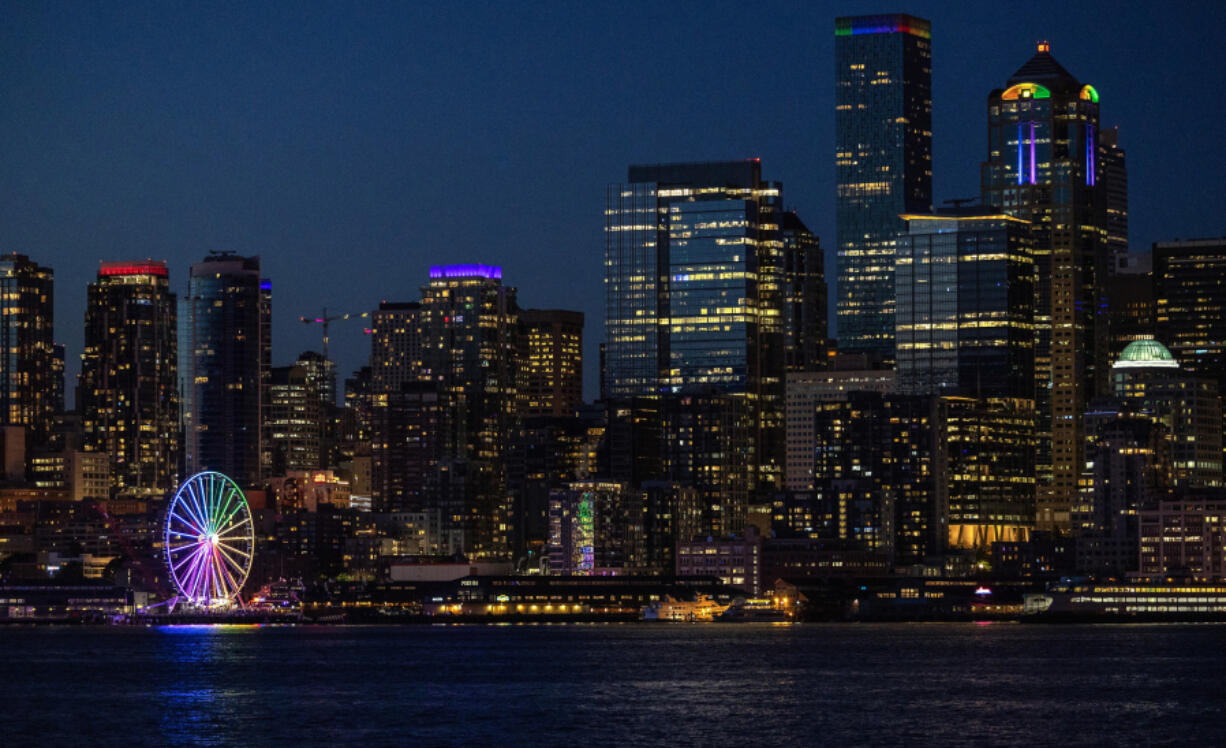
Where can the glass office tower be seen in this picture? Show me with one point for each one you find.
(965, 305)
(224, 357)
(883, 165)
(694, 293)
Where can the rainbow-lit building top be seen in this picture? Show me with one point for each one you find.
(493, 272)
(894, 23)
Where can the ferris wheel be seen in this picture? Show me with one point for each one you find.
(209, 539)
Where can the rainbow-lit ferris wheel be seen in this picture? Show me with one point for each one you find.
(209, 540)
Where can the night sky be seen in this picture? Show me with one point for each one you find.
(352, 145)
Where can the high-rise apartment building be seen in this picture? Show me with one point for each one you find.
(294, 418)
(964, 309)
(469, 351)
(805, 329)
(705, 435)
(550, 362)
(395, 345)
(1042, 166)
(129, 388)
(883, 164)
(410, 425)
(27, 368)
(694, 294)
(394, 417)
(876, 460)
(224, 367)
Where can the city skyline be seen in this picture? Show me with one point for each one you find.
(219, 132)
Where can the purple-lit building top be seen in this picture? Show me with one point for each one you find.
(466, 271)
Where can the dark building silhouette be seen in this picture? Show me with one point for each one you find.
(1190, 303)
(1113, 175)
(1127, 470)
(1130, 301)
(1147, 378)
(805, 328)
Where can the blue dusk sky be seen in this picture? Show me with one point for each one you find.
(353, 145)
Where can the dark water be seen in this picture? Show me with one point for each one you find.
(726, 684)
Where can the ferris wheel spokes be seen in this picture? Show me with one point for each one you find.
(209, 540)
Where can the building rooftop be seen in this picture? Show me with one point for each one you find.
(1149, 354)
(1043, 68)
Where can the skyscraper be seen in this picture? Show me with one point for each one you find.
(293, 418)
(468, 337)
(1113, 173)
(27, 368)
(129, 389)
(1043, 166)
(805, 328)
(224, 352)
(694, 294)
(964, 312)
(398, 439)
(883, 164)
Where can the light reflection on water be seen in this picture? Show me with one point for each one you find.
(199, 701)
(612, 685)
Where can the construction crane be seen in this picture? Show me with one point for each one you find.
(324, 320)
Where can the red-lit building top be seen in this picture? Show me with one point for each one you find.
(139, 267)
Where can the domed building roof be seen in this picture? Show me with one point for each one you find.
(1148, 354)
